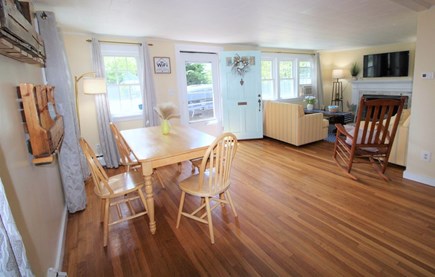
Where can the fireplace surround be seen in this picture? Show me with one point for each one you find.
(380, 86)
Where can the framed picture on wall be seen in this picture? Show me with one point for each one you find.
(162, 65)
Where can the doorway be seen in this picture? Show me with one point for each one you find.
(200, 98)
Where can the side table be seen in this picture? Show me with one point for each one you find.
(334, 117)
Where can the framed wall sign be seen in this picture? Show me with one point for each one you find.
(162, 65)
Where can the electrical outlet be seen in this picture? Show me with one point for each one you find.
(427, 75)
(426, 156)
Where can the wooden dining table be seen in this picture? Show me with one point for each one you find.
(153, 150)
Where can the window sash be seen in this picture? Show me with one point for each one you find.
(285, 85)
(125, 93)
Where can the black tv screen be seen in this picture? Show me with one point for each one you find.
(393, 64)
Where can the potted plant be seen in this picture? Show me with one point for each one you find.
(354, 70)
(311, 100)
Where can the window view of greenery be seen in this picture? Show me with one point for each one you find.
(199, 91)
(123, 86)
(267, 80)
(304, 73)
(286, 81)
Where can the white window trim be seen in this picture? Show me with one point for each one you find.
(122, 51)
(184, 118)
(296, 58)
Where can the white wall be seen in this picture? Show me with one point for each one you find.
(422, 131)
(34, 192)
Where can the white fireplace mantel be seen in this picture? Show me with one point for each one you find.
(381, 87)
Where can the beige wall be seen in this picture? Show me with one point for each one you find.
(166, 85)
(422, 131)
(345, 59)
(34, 192)
(78, 51)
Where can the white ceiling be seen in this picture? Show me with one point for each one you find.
(294, 24)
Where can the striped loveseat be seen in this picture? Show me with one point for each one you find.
(287, 122)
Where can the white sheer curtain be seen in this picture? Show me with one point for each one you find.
(149, 95)
(107, 142)
(318, 82)
(13, 259)
(73, 167)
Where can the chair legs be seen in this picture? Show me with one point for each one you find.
(106, 221)
(159, 178)
(230, 200)
(106, 203)
(180, 208)
(205, 203)
(209, 219)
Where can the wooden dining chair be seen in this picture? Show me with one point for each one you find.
(114, 191)
(372, 137)
(212, 183)
(126, 156)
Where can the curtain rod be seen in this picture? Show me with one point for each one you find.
(198, 52)
(120, 42)
(283, 52)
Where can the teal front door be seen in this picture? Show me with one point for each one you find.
(241, 93)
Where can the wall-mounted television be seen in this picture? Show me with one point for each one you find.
(392, 64)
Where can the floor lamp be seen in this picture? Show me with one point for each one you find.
(337, 88)
(91, 85)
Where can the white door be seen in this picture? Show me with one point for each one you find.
(200, 101)
(241, 93)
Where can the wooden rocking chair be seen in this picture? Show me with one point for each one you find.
(371, 139)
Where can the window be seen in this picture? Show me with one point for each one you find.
(121, 64)
(284, 76)
(200, 102)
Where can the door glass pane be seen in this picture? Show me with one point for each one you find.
(200, 100)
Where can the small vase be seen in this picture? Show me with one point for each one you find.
(166, 127)
(310, 107)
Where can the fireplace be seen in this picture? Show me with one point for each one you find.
(384, 87)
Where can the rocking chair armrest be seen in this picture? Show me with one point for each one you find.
(342, 130)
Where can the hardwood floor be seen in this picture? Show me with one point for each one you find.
(298, 215)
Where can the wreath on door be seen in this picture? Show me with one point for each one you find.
(240, 66)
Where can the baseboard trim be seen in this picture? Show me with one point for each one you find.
(61, 240)
(419, 178)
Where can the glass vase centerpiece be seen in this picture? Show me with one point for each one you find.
(166, 111)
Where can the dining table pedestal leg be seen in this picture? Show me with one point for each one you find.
(147, 172)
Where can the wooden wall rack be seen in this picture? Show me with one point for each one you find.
(18, 37)
(41, 121)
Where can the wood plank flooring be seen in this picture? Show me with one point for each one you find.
(298, 216)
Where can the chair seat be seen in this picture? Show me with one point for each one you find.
(191, 186)
(122, 184)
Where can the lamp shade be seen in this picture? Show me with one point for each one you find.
(94, 85)
(337, 74)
